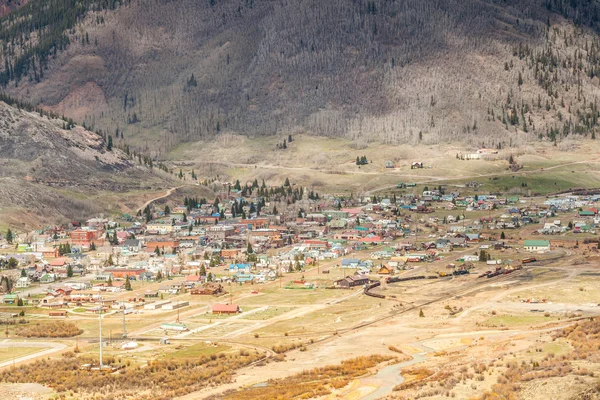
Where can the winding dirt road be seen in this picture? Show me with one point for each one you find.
(166, 194)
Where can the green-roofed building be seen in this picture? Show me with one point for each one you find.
(10, 299)
(536, 245)
(585, 213)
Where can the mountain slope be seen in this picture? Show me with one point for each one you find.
(52, 174)
(485, 72)
(8, 6)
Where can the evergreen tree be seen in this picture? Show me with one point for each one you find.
(168, 210)
(109, 282)
(9, 236)
(69, 271)
(23, 273)
(157, 251)
(202, 270)
(159, 275)
(127, 283)
(421, 314)
(483, 256)
(109, 145)
(92, 246)
(502, 236)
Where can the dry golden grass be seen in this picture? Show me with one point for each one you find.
(54, 329)
(309, 384)
(585, 339)
(414, 376)
(157, 381)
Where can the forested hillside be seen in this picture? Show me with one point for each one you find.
(154, 73)
(8, 6)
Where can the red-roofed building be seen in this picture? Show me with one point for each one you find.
(58, 262)
(50, 252)
(371, 239)
(85, 237)
(225, 309)
(123, 272)
(353, 211)
(258, 223)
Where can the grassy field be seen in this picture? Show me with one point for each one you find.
(267, 313)
(516, 320)
(577, 291)
(546, 169)
(9, 353)
(196, 350)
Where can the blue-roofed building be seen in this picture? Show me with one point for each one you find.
(350, 263)
(240, 268)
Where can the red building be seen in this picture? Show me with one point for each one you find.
(122, 272)
(225, 309)
(85, 237)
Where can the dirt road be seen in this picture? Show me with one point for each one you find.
(166, 194)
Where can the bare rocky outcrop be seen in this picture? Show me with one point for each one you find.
(54, 173)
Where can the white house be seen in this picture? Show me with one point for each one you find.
(23, 282)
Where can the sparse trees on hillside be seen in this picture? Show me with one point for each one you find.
(555, 65)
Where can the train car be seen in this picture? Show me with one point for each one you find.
(528, 260)
(460, 272)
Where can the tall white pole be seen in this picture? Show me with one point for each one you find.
(100, 333)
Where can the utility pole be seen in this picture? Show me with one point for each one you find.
(100, 334)
(124, 326)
